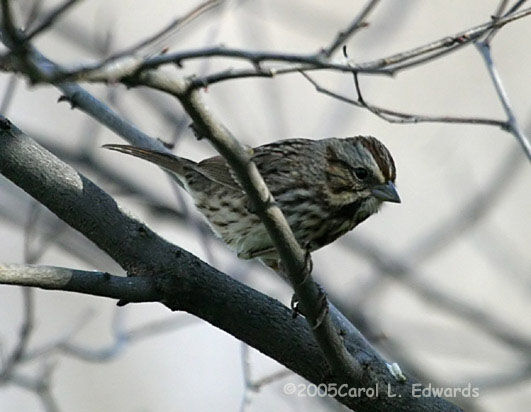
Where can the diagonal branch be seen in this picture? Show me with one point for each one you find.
(49, 19)
(406, 59)
(356, 24)
(512, 124)
(24, 336)
(152, 43)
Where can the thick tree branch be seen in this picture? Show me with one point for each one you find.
(183, 281)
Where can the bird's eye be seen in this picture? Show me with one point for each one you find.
(361, 173)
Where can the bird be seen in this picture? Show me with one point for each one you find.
(324, 187)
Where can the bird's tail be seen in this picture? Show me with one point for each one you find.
(171, 163)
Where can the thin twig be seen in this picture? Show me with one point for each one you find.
(115, 68)
(8, 94)
(33, 13)
(454, 42)
(393, 116)
(477, 205)
(152, 43)
(377, 66)
(512, 124)
(246, 376)
(124, 337)
(50, 19)
(25, 332)
(388, 65)
(501, 379)
(353, 27)
(404, 272)
(499, 12)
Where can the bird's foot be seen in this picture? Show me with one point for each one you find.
(322, 302)
(294, 305)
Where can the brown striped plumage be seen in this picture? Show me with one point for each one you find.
(324, 188)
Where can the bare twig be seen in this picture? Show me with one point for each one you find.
(125, 65)
(377, 66)
(512, 123)
(151, 45)
(400, 270)
(481, 202)
(122, 338)
(49, 19)
(353, 27)
(34, 12)
(33, 254)
(8, 94)
(40, 386)
(498, 248)
(68, 333)
(502, 379)
(499, 12)
(387, 65)
(8, 26)
(246, 375)
(393, 116)
(14, 40)
(25, 332)
(458, 40)
(254, 385)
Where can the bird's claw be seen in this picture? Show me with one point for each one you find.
(322, 302)
(294, 305)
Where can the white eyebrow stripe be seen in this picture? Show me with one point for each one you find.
(376, 167)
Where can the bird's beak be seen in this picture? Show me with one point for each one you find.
(386, 192)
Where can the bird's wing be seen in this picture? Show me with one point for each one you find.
(266, 252)
(217, 169)
(271, 160)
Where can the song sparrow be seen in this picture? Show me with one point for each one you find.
(324, 188)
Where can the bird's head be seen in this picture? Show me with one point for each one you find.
(360, 169)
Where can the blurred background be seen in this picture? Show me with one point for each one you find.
(440, 283)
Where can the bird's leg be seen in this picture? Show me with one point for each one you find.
(278, 267)
(297, 308)
(295, 304)
(308, 267)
